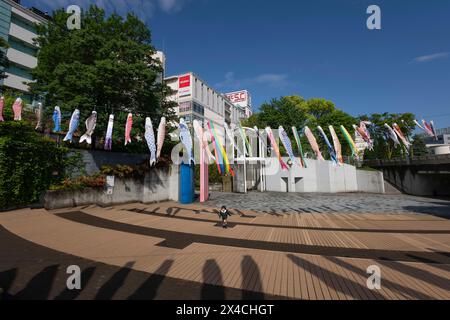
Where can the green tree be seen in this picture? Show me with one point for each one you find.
(4, 61)
(419, 147)
(318, 108)
(285, 111)
(29, 164)
(336, 118)
(107, 65)
(295, 111)
(383, 145)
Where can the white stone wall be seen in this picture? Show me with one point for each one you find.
(370, 181)
(321, 177)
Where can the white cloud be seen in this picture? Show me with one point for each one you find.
(431, 57)
(265, 79)
(171, 5)
(142, 8)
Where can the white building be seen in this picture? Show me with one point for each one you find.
(17, 27)
(161, 57)
(198, 101)
(441, 145)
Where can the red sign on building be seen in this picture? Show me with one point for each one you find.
(237, 97)
(184, 81)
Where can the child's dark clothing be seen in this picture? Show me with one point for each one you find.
(224, 214)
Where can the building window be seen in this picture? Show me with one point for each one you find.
(19, 71)
(199, 109)
(22, 46)
(185, 107)
(21, 22)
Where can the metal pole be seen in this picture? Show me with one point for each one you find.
(261, 175)
(245, 170)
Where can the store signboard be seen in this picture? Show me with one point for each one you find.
(185, 85)
(239, 98)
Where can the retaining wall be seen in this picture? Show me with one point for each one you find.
(318, 177)
(160, 184)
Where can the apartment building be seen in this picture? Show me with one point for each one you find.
(17, 27)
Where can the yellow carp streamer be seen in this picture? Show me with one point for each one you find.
(350, 141)
(216, 153)
(245, 140)
(222, 151)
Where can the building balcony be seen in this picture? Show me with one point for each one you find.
(20, 58)
(22, 33)
(16, 82)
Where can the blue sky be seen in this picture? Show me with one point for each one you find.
(314, 48)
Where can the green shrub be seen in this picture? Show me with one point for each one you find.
(125, 171)
(29, 164)
(213, 175)
(95, 181)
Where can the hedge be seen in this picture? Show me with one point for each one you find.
(29, 164)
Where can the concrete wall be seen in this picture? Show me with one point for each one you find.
(421, 176)
(95, 159)
(370, 181)
(160, 184)
(417, 182)
(319, 176)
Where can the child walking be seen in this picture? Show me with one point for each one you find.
(224, 214)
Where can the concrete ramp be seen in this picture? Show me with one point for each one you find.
(390, 189)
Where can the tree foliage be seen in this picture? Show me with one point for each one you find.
(419, 148)
(4, 61)
(295, 111)
(29, 164)
(383, 145)
(107, 66)
(284, 111)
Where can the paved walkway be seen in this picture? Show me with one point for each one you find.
(167, 250)
(348, 202)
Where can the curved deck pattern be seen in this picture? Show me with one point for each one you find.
(148, 251)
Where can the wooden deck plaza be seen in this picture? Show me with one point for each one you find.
(186, 253)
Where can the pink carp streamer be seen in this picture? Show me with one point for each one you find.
(161, 137)
(364, 133)
(313, 142)
(17, 109)
(426, 127)
(128, 127)
(400, 134)
(2, 105)
(337, 145)
(276, 149)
